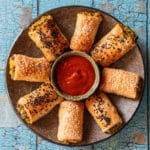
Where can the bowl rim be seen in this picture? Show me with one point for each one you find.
(93, 87)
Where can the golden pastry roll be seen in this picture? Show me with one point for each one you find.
(48, 37)
(120, 82)
(38, 103)
(114, 45)
(104, 113)
(70, 128)
(87, 24)
(31, 69)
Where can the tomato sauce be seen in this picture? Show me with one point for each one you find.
(75, 75)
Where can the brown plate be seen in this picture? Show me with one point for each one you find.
(46, 127)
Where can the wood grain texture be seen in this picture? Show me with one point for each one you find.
(11, 14)
(19, 138)
(148, 67)
(14, 14)
(45, 5)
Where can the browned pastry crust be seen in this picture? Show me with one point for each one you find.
(120, 82)
(70, 122)
(114, 45)
(104, 113)
(48, 37)
(38, 103)
(85, 31)
(29, 69)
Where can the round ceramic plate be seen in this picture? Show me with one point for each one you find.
(47, 126)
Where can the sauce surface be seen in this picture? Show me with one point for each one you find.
(75, 75)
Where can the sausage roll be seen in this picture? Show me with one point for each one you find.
(85, 31)
(48, 37)
(104, 113)
(70, 122)
(38, 103)
(120, 82)
(29, 69)
(114, 45)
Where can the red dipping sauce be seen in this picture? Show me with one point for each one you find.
(75, 75)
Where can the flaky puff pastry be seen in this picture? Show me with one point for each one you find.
(70, 128)
(104, 113)
(38, 103)
(87, 24)
(114, 45)
(120, 82)
(48, 37)
(31, 69)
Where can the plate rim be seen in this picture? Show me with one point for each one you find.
(33, 130)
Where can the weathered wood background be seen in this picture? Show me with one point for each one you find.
(15, 15)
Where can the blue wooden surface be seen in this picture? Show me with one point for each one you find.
(15, 14)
